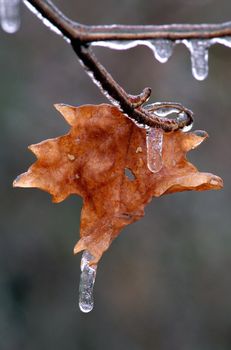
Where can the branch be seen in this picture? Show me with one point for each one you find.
(151, 32)
(74, 30)
(81, 36)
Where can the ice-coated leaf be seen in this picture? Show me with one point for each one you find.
(91, 161)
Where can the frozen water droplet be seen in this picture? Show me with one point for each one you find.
(44, 20)
(183, 117)
(199, 57)
(9, 15)
(154, 140)
(87, 280)
(162, 49)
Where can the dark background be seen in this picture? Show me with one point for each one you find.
(165, 282)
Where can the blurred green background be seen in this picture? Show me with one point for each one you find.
(165, 283)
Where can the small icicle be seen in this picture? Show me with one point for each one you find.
(199, 57)
(154, 140)
(87, 280)
(162, 49)
(10, 15)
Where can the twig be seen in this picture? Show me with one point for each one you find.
(126, 102)
(81, 36)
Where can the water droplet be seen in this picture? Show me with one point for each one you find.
(199, 57)
(182, 117)
(9, 15)
(162, 49)
(187, 128)
(154, 140)
(87, 280)
(44, 20)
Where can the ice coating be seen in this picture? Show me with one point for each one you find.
(162, 49)
(225, 40)
(154, 141)
(44, 20)
(10, 15)
(87, 280)
(163, 109)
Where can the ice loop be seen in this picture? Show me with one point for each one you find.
(154, 136)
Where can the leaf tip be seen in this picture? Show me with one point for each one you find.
(22, 181)
(216, 183)
(34, 149)
(80, 246)
(67, 111)
(193, 139)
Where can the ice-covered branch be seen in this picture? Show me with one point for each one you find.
(131, 105)
(160, 39)
(89, 34)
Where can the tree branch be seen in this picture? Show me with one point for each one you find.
(88, 34)
(81, 36)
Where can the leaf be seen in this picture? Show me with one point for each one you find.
(93, 161)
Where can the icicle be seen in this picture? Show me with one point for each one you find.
(162, 49)
(9, 15)
(199, 57)
(87, 280)
(154, 140)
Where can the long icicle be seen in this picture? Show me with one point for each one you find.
(87, 280)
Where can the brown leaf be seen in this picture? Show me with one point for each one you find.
(92, 161)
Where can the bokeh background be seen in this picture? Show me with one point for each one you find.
(165, 283)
